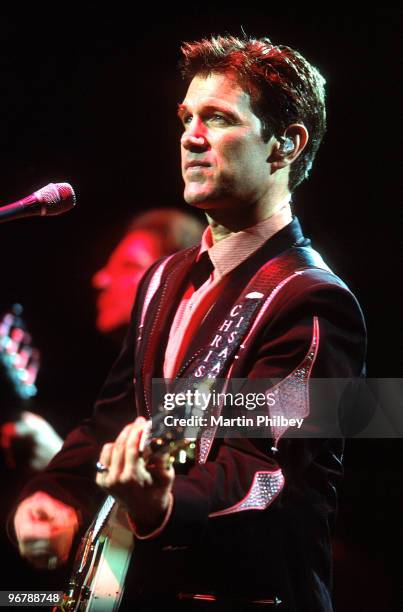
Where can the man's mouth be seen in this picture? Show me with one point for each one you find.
(197, 164)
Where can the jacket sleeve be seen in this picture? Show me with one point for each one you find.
(70, 476)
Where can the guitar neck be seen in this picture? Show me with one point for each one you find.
(102, 516)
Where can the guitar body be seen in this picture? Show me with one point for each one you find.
(102, 561)
(105, 551)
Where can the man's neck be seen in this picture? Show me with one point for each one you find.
(224, 222)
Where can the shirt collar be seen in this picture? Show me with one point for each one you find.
(231, 251)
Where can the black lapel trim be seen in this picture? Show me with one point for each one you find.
(158, 320)
(290, 236)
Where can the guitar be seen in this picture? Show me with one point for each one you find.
(104, 554)
(19, 365)
(20, 360)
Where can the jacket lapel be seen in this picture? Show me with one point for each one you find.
(162, 309)
(158, 320)
(238, 279)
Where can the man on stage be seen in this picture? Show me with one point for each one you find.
(247, 526)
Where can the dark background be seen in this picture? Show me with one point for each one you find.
(88, 96)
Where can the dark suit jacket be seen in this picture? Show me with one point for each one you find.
(282, 550)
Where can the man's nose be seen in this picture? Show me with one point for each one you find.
(101, 279)
(194, 137)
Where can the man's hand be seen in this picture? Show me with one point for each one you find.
(45, 529)
(29, 442)
(144, 486)
(46, 442)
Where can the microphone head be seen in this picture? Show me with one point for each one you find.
(56, 198)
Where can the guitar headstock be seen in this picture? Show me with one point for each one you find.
(158, 438)
(19, 359)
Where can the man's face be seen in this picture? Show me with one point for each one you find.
(117, 282)
(224, 158)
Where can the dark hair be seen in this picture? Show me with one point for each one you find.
(284, 87)
(175, 229)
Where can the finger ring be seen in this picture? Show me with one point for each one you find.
(52, 563)
(100, 467)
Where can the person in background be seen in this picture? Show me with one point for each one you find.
(148, 237)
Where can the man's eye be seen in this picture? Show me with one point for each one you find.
(218, 118)
(186, 119)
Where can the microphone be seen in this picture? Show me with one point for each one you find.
(53, 199)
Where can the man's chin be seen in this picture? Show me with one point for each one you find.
(114, 329)
(107, 323)
(203, 200)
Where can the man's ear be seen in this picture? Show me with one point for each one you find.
(289, 146)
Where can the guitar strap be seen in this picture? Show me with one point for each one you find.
(215, 358)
